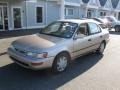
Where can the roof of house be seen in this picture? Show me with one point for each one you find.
(115, 3)
(85, 1)
(102, 2)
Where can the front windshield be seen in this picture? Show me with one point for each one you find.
(60, 29)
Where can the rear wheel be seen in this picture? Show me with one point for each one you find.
(101, 48)
(61, 63)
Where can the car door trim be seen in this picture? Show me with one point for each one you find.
(86, 47)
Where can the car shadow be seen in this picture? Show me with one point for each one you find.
(113, 32)
(14, 77)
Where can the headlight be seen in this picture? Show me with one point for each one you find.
(35, 55)
(42, 55)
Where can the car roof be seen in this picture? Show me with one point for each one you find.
(79, 21)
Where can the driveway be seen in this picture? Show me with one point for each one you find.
(90, 72)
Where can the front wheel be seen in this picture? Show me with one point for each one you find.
(61, 63)
(101, 48)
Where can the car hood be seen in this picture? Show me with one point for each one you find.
(36, 42)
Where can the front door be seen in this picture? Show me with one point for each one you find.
(17, 18)
(97, 37)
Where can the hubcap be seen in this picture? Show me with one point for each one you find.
(102, 47)
(62, 63)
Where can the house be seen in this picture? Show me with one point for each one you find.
(22, 14)
(30, 14)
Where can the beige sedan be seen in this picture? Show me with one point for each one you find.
(59, 43)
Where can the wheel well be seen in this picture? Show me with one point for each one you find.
(66, 52)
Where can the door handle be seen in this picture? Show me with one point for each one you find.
(90, 40)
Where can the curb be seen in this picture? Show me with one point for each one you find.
(16, 33)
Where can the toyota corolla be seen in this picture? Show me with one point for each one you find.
(59, 43)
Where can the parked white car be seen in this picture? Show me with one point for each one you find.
(105, 24)
(113, 22)
(59, 43)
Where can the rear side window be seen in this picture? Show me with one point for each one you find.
(94, 28)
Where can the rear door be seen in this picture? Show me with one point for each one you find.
(96, 35)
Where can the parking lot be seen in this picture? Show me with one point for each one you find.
(89, 72)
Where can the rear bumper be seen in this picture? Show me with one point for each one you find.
(30, 63)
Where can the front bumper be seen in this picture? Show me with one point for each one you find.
(27, 62)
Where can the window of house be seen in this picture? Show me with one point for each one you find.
(39, 14)
(102, 13)
(69, 11)
(89, 13)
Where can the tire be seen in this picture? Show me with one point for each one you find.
(117, 28)
(61, 63)
(101, 48)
